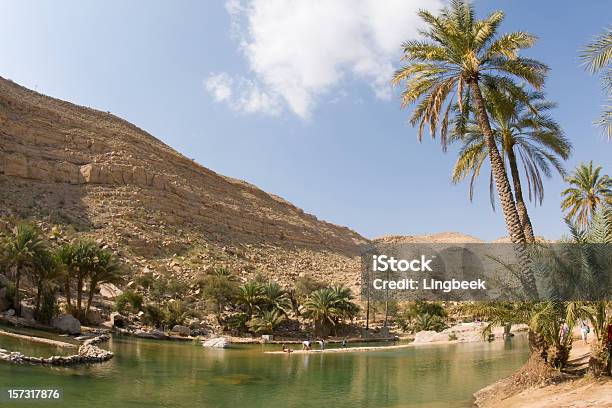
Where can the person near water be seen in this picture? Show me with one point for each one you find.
(584, 331)
(563, 332)
(306, 345)
(344, 342)
(321, 344)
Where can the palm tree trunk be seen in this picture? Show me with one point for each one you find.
(67, 294)
(518, 196)
(16, 300)
(39, 288)
(89, 299)
(79, 296)
(513, 223)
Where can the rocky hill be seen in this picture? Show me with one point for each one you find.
(442, 237)
(79, 171)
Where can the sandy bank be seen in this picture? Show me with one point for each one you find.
(342, 350)
(568, 391)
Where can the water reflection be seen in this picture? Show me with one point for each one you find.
(148, 373)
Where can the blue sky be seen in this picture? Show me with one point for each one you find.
(336, 142)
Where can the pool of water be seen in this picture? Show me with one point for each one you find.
(147, 373)
(34, 348)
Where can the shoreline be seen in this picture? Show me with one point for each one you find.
(380, 348)
(567, 390)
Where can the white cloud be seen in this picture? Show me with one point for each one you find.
(300, 50)
(242, 94)
(219, 86)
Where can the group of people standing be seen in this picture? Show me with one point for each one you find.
(585, 329)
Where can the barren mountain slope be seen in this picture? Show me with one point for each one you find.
(80, 169)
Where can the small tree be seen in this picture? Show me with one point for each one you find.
(219, 287)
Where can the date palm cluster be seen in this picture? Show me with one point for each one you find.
(77, 267)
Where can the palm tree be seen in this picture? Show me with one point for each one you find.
(107, 270)
(459, 54)
(597, 57)
(522, 129)
(250, 295)
(592, 262)
(45, 272)
(588, 189)
(329, 306)
(80, 259)
(498, 314)
(23, 249)
(267, 322)
(275, 298)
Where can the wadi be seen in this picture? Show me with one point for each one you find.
(133, 275)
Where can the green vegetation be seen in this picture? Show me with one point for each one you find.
(129, 301)
(588, 189)
(597, 57)
(523, 131)
(25, 251)
(328, 307)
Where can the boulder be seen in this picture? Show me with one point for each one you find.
(218, 342)
(181, 330)
(27, 312)
(67, 323)
(118, 320)
(110, 291)
(10, 312)
(94, 317)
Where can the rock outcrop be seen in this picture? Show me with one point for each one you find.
(67, 324)
(217, 342)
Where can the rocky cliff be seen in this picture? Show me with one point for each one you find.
(85, 172)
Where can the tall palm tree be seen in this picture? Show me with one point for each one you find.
(457, 55)
(588, 189)
(597, 57)
(523, 129)
(79, 259)
(23, 249)
(45, 272)
(107, 270)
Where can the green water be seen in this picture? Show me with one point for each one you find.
(146, 373)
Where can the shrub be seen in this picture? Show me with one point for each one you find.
(235, 322)
(425, 321)
(153, 315)
(175, 313)
(305, 285)
(128, 301)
